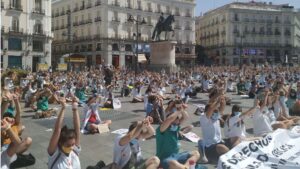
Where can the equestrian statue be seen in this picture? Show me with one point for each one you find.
(163, 25)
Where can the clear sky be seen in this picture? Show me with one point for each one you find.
(206, 5)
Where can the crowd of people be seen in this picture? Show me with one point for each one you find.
(275, 92)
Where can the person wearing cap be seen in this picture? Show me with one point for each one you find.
(127, 150)
(167, 143)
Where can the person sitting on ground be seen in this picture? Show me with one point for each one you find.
(241, 89)
(167, 143)
(92, 119)
(15, 125)
(234, 128)
(127, 150)
(80, 93)
(213, 146)
(64, 145)
(8, 154)
(109, 97)
(136, 93)
(42, 105)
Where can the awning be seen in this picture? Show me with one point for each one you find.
(142, 58)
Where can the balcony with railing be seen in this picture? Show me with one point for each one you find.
(188, 28)
(39, 11)
(116, 19)
(149, 10)
(75, 9)
(88, 21)
(277, 21)
(17, 7)
(81, 22)
(89, 6)
(97, 36)
(62, 13)
(98, 19)
(15, 30)
(75, 23)
(188, 15)
(287, 33)
(98, 3)
(82, 7)
(39, 33)
(277, 33)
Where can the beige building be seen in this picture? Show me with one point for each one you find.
(25, 33)
(99, 29)
(252, 32)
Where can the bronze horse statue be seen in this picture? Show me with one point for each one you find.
(165, 26)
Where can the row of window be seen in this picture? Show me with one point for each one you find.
(87, 5)
(16, 44)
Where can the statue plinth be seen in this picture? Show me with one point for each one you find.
(163, 55)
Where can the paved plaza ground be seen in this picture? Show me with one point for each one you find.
(100, 146)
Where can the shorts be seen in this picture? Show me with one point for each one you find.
(180, 157)
(6, 160)
(211, 152)
(87, 127)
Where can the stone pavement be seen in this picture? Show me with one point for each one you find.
(100, 147)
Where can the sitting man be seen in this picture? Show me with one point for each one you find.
(42, 105)
(127, 150)
(167, 143)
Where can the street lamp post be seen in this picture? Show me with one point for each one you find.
(137, 22)
(69, 35)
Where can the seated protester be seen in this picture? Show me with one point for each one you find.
(205, 84)
(171, 108)
(155, 109)
(92, 119)
(252, 90)
(167, 143)
(64, 145)
(127, 150)
(109, 97)
(42, 105)
(291, 102)
(213, 146)
(298, 90)
(230, 87)
(8, 154)
(32, 89)
(148, 92)
(16, 127)
(241, 89)
(234, 126)
(296, 108)
(161, 92)
(136, 93)
(190, 90)
(264, 120)
(125, 91)
(80, 93)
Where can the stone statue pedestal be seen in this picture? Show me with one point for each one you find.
(162, 56)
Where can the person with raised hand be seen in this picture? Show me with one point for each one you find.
(8, 155)
(64, 145)
(167, 143)
(127, 150)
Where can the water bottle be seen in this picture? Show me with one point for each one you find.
(192, 164)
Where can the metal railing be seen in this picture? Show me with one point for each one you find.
(38, 11)
(15, 7)
(98, 19)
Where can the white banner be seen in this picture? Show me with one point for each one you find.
(278, 150)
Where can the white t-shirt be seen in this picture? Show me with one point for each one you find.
(234, 128)
(211, 131)
(261, 122)
(122, 154)
(6, 160)
(65, 162)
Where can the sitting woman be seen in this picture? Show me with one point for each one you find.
(42, 106)
(64, 145)
(108, 97)
(235, 127)
(80, 93)
(136, 93)
(241, 88)
(92, 121)
(155, 109)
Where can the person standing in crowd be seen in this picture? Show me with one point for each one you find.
(127, 150)
(167, 143)
(64, 145)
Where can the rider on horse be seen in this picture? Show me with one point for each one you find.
(161, 19)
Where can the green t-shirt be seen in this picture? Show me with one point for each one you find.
(166, 143)
(42, 104)
(80, 94)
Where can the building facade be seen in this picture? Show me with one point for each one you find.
(253, 32)
(25, 33)
(96, 31)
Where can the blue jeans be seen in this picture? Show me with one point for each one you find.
(180, 157)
